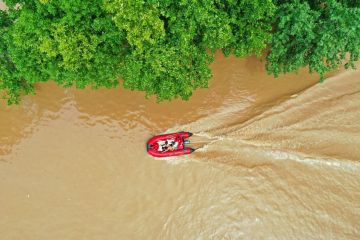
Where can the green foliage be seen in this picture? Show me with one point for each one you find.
(10, 79)
(167, 71)
(318, 34)
(71, 42)
(139, 19)
(172, 42)
(164, 47)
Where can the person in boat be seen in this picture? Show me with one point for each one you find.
(168, 146)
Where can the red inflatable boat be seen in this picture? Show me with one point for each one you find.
(167, 145)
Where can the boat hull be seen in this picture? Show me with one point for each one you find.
(153, 145)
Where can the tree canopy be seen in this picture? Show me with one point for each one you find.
(164, 47)
(318, 34)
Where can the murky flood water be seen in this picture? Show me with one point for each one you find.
(279, 160)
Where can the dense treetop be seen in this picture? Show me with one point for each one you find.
(164, 47)
(317, 34)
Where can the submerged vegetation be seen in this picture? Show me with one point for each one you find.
(164, 47)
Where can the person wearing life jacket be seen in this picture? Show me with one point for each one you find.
(168, 146)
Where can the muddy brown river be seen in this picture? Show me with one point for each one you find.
(277, 159)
